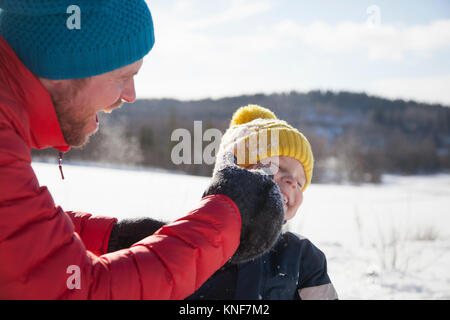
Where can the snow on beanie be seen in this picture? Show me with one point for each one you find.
(70, 39)
(256, 133)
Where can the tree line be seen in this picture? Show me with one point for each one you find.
(355, 137)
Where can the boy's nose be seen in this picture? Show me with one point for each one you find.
(290, 181)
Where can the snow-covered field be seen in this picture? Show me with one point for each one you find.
(388, 241)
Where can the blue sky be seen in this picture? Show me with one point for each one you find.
(218, 48)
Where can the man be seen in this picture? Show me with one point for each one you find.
(61, 62)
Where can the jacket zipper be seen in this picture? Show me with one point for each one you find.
(60, 164)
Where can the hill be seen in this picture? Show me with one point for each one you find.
(355, 137)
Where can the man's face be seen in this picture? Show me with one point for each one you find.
(78, 101)
(289, 175)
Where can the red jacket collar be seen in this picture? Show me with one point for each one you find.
(30, 102)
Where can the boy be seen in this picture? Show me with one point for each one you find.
(294, 268)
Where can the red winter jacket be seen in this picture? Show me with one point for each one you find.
(46, 253)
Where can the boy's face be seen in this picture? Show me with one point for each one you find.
(290, 177)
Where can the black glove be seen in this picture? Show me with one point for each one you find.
(259, 201)
(129, 231)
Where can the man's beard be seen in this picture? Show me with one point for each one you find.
(73, 130)
(73, 119)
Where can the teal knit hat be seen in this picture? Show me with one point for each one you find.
(55, 41)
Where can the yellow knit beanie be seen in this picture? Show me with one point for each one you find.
(255, 133)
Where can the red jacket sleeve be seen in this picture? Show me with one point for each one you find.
(41, 252)
(94, 231)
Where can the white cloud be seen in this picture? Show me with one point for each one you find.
(380, 41)
(238, 10)
(431, 89)
(196, 15)
(196, 55)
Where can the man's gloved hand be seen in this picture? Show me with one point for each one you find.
(259, 201)
(129, 231)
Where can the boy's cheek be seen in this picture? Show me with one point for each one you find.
(291, 213)
(297, 205)
(300, 201)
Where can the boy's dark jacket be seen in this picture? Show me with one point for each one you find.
(293, 264)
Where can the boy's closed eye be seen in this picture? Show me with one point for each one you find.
(285, 172)
(281, 170)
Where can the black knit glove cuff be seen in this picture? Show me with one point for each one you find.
(129, 231)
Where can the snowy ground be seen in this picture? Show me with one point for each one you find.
(388, 241)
